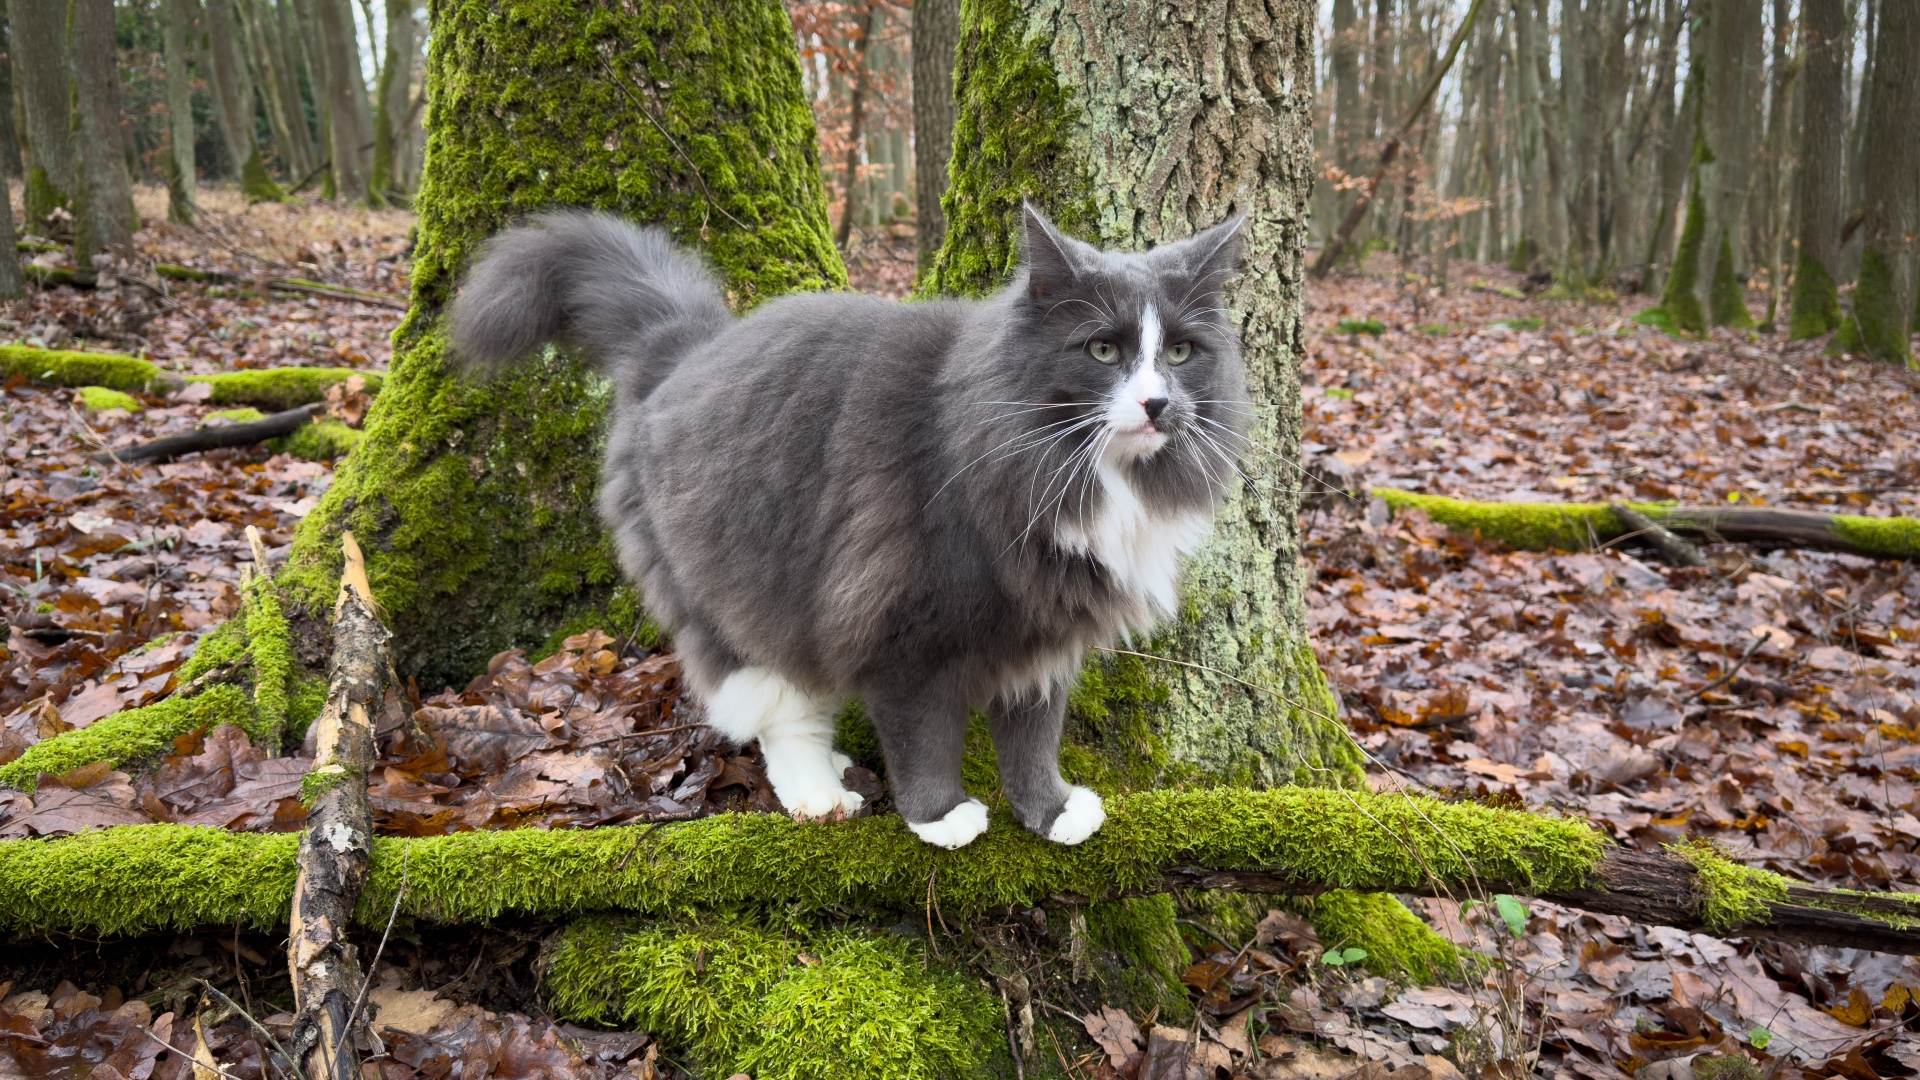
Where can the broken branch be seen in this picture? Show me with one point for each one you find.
(212, 437)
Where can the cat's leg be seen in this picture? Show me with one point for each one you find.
(795, 730)
(923, 735)
(1026, 738)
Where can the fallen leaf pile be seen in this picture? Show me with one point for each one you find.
(235, 324)
(71, 1033)
(585, 737)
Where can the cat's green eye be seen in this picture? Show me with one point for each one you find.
(1178, 352)
(1103, 350)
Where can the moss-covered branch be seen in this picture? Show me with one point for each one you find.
(276, 389)
(1575, 526)
(148, 878)
(247, 676)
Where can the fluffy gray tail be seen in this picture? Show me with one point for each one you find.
(630, 298)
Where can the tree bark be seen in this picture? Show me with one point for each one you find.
(233, 95)
(1825, 40)
(284, 114)
(1705, 289)
(345, 137)
(1491, 119)
(10, 280)
(936, 34)
(105, 215)
(390, 114)
(1883, 299)
(1778, 161)
(43, 79)
(1530, 250)
(182, 172)
(475, 501)
(856, 125)
(1349, 116)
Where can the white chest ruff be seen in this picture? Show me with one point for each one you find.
(1142, 550)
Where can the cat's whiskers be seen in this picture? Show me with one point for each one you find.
(1040, 433)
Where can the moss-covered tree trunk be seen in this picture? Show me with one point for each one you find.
(1705, 287)
(475, 502)
(1883, 299)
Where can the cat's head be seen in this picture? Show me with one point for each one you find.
(1137, 347)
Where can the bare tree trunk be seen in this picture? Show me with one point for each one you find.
(10, 284)
(1528, 252)
(44, 81)
(182, 173)
(1489, 134)
(1779, 163)
(1883, 298)
(390, 114)
(281, 93)
(1826, 39)
(1349, 116)
(1667, 146)
(1857, 139)
(850, 173)
(233, 96)
(357, 81)
(344, 134)
(936, 35)
(104, 217)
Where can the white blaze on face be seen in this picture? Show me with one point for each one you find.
(1133, 435)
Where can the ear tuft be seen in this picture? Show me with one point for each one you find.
(1049, 258)
(1217, 251)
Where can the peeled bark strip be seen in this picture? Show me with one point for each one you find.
(335, 849)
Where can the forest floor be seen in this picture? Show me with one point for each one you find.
(1769, 703)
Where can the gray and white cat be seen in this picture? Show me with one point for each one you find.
(932, 507)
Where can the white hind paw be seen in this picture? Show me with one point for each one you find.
(1080, 818)
(957, 829)
(826, 801)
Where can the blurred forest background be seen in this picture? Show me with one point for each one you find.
(1762, 172)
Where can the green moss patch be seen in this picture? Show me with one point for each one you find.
(1397, 941)
(1370, 327)
(61, 367)
(100, 398)
(1340, 838)
(1730, 894)
(280, 389)
(322, 440)
(793, 1003)
(1890, 537)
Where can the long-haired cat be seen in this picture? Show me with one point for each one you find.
(933, 507)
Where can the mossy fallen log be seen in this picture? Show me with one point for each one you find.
(277, 389)
(151, 878)
(1576, 526)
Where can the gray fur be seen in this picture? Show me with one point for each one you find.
(866, 497)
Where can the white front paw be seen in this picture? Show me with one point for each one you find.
(818, 802)
(957, 829)
(1080, 818)
(841, 763)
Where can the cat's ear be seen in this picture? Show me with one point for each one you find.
(1050, 257)
(1211, 257)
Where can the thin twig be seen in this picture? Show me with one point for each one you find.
(258, 1026)
(1731, 672)
(148, 1032)
(648, 113)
